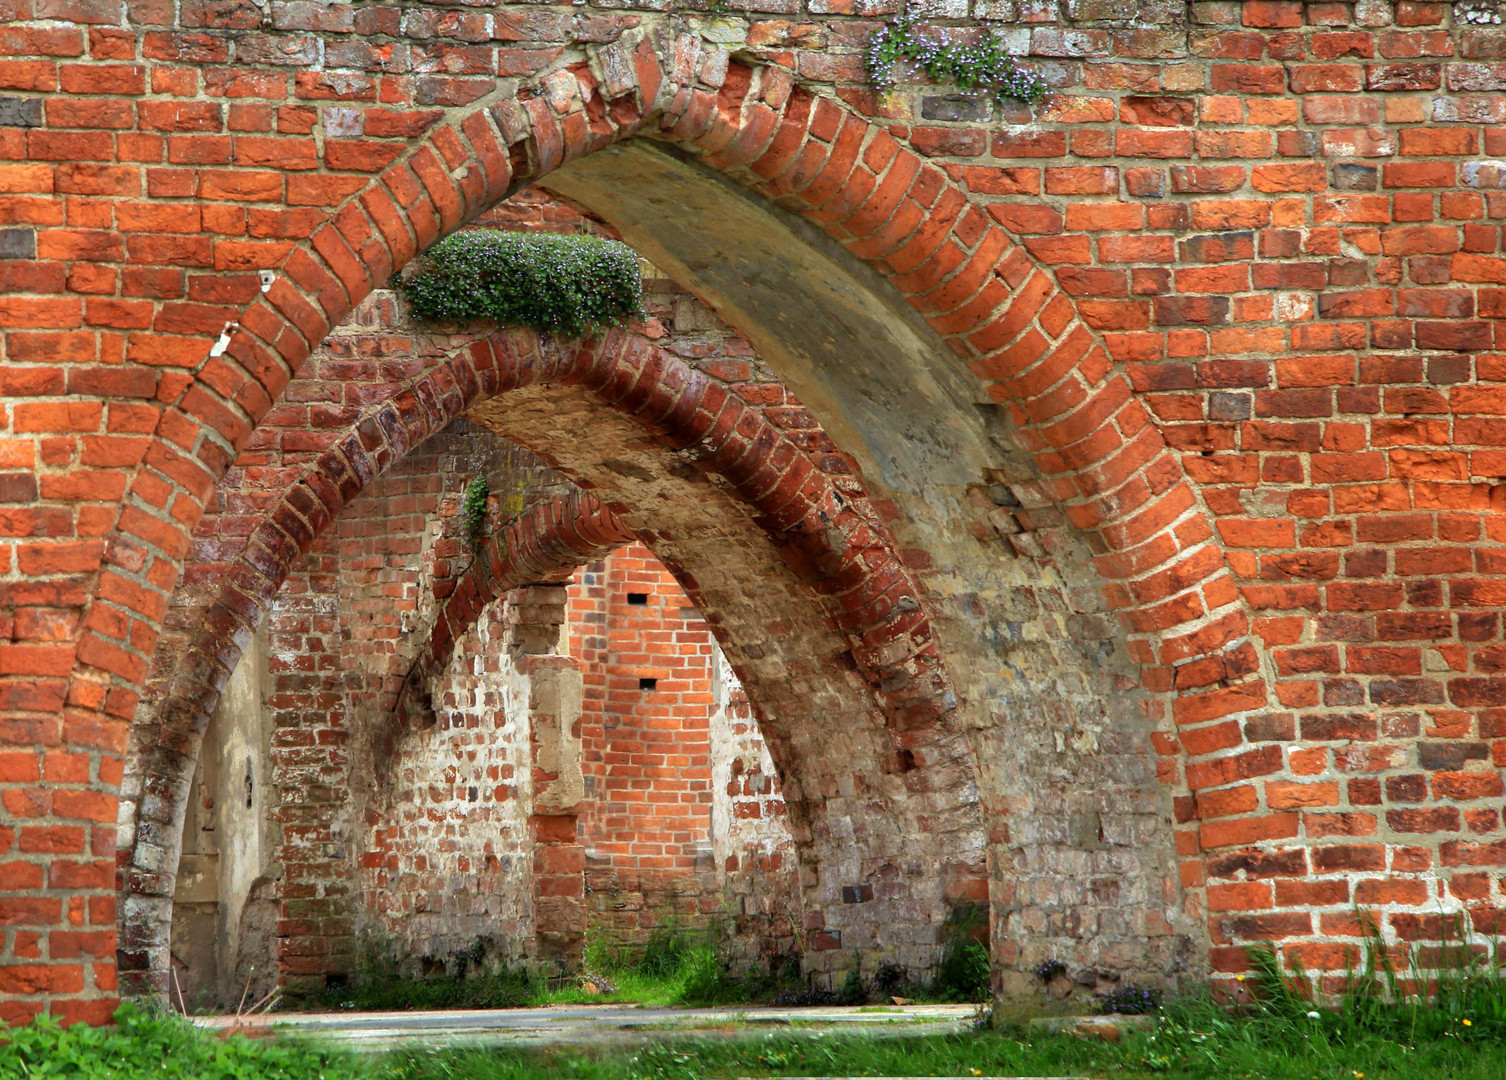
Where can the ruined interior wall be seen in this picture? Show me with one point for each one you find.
(447, 863)
(750, 842)
(405, 794)
(224, 917)
(647, 814)
(655, 823)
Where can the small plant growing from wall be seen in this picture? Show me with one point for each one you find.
(981, 64)
(473, 513)
(1049, 969)
(1130, 1001)
(565, 285)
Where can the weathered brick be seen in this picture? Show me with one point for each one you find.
(1314, 370)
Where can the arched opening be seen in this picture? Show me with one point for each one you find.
(452, 846)
(761, 585)
(1100, 461)
(1049, 686)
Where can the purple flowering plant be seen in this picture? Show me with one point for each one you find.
(974, 63)
(1047, 970)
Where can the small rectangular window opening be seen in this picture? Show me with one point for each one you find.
(648, 684)
(637, 599)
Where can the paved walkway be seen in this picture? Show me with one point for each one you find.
(594, 1025)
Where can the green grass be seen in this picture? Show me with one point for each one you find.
(1403, 1015)
(1194, 1041)
(1199, 1052)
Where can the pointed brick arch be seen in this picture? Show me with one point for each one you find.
(1000, 313)
(167, 751)
(992, 305)
(830, 540)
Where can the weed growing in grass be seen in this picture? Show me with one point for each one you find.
(1130, 1001)
(688, 967)
(1402, 1012)
(854, 990)
(963, 972)
(1455, 989)
(507, 989)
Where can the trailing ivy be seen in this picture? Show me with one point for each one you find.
(473, 513)
(984, 64)
(567, 285)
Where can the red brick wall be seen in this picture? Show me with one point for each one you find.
(1235, 289)
(647, 820)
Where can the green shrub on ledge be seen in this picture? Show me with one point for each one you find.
(566, 285)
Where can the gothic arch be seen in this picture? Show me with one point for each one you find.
(1005, 316)
(1102, 461)
(827, 538)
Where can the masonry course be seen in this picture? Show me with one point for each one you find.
(1209, 343)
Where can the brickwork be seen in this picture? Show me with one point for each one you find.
(751, 845)
(653, 690)
(1233, 292)
(447, 845)
(647, 740)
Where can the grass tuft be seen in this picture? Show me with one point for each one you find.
(145, 1043)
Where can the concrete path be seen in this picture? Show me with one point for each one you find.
(595, 1025)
